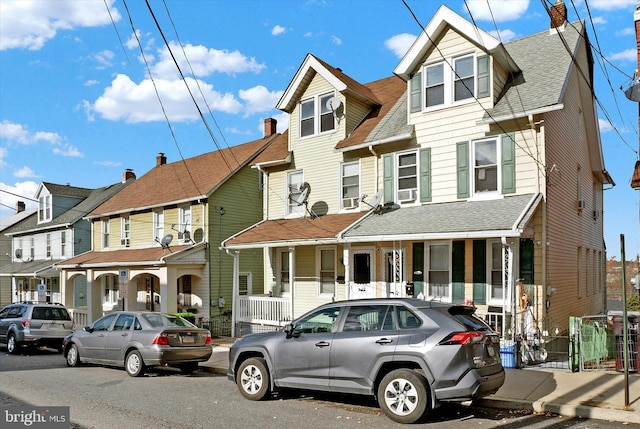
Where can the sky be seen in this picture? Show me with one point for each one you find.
(88, 88)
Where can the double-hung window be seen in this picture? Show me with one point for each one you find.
(327, 269)
(315, 116)
(284, 272)
(463, 79)
(105, 233)
(407, 184)
(435, 85)
(439, 271)
(44, 208)
(184, 214)
(158, 226)
(125, 231)
(295, 199)
(48, 238)
(496, 289)
(350, 175)
(485, 165)
(63, 243)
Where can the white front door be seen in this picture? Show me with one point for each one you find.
(362, 283)
(393, 273)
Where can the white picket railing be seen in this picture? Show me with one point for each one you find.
(80, 317)
(264, 310)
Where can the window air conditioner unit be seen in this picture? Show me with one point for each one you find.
(580, 204)
(349, 203)
(124, 242)
(406, 195)
(595, 214)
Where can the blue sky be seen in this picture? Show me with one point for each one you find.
(77, 104)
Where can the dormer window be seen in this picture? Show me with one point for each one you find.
(315, 116)
(44, 208)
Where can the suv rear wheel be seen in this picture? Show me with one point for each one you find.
(403, 396)
(12, 344)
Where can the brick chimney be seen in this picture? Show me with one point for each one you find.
(558, 14)
(20, 207)
(161, 159)
(128, 174)
(270, 127)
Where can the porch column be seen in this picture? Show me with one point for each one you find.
(292, 275)
(66, 298)
(94, 299)
(234, 290)
(168, 289)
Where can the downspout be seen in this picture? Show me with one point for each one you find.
(235, 288)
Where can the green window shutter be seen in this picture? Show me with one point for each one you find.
(508, 147)
(463, 169)
(415, 93)
(425, 175)
(526, 260)
(418, 268)
(457, 272)
(484, 76)
(479, 271)
(387, 165)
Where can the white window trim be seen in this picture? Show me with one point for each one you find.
(288, 201)
(125, 236)
(249, 277)
(114, 288)
(158, 227)
(413, 199)
(105, 233)
(488, 195)
(184, 224)
(427, 273)
(317, 115)
(319, 250)
(490, 299)
(279, 285)
(449, 79)
(356, 200)
(45, 209)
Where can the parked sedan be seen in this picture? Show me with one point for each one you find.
(410, 354)
(138, 341)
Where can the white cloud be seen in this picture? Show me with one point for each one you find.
(30, 24)
(503, 35)
(625, 32)
(132, 41)
(612, 4)
(125, 100)
(68, 150)
(604, 125)
(259, 99)
(3, 154)
(599, 20)
(108, 163)
(336, 40)
(626, 55)
(278, 30)
(498, 10)
(19, 134)
(204, 61)
(91, 82)
(21, 191)
(104, 58)
(24, 172)
(400, 43)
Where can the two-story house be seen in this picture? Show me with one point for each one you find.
(474, 175)
(55, 232)
(156, 243)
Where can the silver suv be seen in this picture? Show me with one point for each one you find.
(408, 353)
(34, 324)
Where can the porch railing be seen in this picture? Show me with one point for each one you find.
(80, 317)
(263, 310)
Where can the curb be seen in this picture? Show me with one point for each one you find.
(568, 410)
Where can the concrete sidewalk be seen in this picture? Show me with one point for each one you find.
(589, 394)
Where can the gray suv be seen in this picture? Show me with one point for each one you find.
(34, 324)
(408, 353)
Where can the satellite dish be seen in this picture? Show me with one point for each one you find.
(186, 235)
(166, 240)
(300, 199)
(333, 103)
(198, 235)
(18, 253)
(374, 202)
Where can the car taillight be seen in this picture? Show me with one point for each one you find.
(462, 338)
(161, 339)
(26, 323)
(208, 340)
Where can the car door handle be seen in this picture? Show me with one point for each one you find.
(384, 341)
(322, 344)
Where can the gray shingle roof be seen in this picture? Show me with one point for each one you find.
(506, 215)
(545, 64)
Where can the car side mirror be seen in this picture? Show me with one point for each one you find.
(289, 330)
(89, 329)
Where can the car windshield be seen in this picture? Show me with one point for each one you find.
(50, 313)
(159, 320)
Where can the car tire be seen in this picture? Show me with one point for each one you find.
(73, 357)
(12, 345)
(403, 396)
(253, 379)
(134, 364)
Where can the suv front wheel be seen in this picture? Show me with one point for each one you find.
(403, 396)
(253, 379)
(12, 345)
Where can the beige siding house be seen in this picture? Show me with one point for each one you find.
(474, 175)
(156, 244)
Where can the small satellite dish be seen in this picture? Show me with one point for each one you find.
(198, 235)
(166, 240)
(374, 202)
(186, 235)
(300, 199)
(18, 253)
(333, 103)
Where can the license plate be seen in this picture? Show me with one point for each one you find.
(188, 340)
(54, 326)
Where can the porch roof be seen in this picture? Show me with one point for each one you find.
(124, 257)
(29, 269)
(505, 217)
(290, 232)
